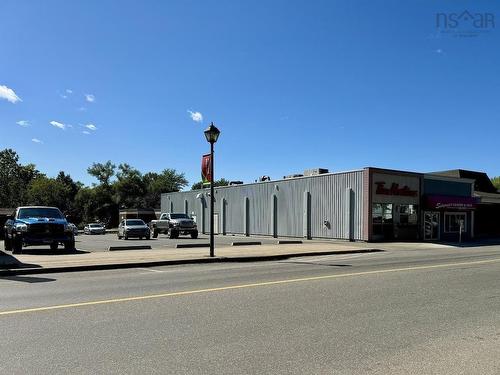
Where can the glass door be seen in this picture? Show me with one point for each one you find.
(431, 225)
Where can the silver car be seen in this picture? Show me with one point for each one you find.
(129, 228)
(94, 228)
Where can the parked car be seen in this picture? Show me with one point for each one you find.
(94, 228)
(74, 228)
(133, 228)
(174, 224)
(37, 225)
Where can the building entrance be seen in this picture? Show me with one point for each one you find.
(431, 225)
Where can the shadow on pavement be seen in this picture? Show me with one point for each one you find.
(316, 264)
(9, 261)
(38, 251)
(28, 279)
(475, 243)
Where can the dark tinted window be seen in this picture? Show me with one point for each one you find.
(51, 213)
(135, 222)
(179, 216)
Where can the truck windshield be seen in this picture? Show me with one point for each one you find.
(179, 216)
(51, 213)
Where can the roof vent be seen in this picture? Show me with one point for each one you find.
(315, 171)
(293, 176)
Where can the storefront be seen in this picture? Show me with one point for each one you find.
(369, 204)
(395, 201)
(448, 218)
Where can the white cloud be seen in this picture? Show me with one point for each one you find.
(195, 116)
(69, 91)
(9, 94)
(23, 123)
(91, 127)
(86, 132)
(57, 124)
(36, 140)
(81, 109)
(439, 50)
(64, 96)
(90, 98)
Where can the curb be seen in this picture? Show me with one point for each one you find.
(131, 247)
(189, 245)
(288, 242)
(244, 243)
(101, 267)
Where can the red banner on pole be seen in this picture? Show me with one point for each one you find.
(206, 173)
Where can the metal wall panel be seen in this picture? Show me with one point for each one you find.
(329, 202)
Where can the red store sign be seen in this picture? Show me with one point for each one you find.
(395, 189)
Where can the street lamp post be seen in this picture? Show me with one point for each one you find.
(212, 134)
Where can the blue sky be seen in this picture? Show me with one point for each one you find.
(291, 85)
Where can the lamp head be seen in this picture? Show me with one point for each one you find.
(212, 133)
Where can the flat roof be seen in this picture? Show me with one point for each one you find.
(272, 181)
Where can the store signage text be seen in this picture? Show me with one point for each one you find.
(456, 206)
(404, 191)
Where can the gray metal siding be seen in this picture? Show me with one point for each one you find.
(329, 196)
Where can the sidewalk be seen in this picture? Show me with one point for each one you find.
(81, 261)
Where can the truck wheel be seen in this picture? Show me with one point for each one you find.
(7, 243)
(194, 234)
(54, 246)
(17, 245)
(173, 234)
(69, 245)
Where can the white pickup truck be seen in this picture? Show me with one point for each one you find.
(174, 224)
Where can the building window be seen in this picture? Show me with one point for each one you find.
(408, 214)
(453, 221)
(381, 216)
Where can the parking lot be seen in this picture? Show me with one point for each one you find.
(96, 242)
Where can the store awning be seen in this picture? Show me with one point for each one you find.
(449, 202)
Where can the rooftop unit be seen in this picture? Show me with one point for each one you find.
(292, 176)
(315, 171)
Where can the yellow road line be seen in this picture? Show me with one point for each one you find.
(242, 286)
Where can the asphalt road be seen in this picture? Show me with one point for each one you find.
(396, 312)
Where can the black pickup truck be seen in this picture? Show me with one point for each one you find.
(36, 225)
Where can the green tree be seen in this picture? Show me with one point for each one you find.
(103, 207)
(199, 185)
(102, 172)
(73, 187)
(167, 181)
(14, 179)
(129, 188)
(44, 191)
(86, 205)
(496, 182)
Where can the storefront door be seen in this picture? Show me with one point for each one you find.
(431, 225)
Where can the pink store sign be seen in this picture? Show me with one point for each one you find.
(450, 202)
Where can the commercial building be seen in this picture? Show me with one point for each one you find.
(369, 204)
